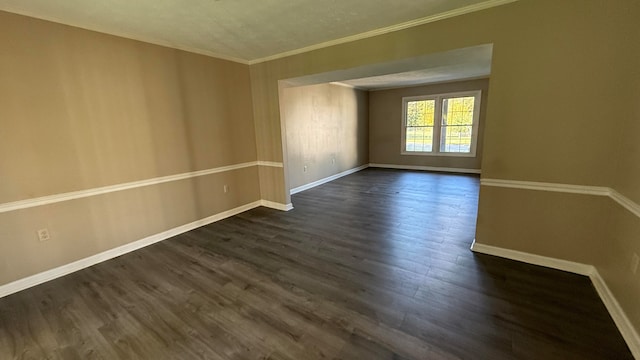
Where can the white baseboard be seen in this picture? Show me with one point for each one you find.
(383, 166)
(60, 271)
(618, 315)
(564, 265)
(327, 179)
(627, 330)
(427, 168)
(275, 205)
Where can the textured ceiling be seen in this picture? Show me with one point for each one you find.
(244, 30)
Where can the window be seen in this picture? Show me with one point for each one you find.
(445, 124)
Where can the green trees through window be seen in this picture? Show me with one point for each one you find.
(441, 124)
(457, 124)
(420, 125)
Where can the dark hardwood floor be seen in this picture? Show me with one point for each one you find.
(375, 265)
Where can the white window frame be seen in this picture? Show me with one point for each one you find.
(477, 94)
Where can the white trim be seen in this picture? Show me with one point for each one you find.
(60, 271)
(622, 200)
(542, 186)
(275, 205)
(618, 315)
(427, 168)
(409, 24)
(326, 180)
(445, 15)
(382, 166)
(270, 163)
(437, 126)
(625, 202)
(564, 265)
(433, 153)
(51, 199)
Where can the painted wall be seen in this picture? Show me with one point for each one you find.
(81, 110)
(385, 121)
(554, 116)
(326, 131)
(623, 239)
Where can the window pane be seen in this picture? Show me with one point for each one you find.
(456, 138)
(456, 124)
(421, 113)
(458, 111)
(419, 139)
(420, 120)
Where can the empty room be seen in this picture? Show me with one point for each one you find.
(417, 179)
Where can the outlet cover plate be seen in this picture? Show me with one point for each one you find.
(43, 234)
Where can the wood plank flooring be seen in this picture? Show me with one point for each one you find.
(375, 265)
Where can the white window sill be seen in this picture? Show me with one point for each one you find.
(414, 153)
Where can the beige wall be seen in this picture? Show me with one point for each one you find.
(326, 130)
(269, 144)
(385, 125)
(623, 239)
(542, 78)
(560, 70)
(528, 220)
(80, 110)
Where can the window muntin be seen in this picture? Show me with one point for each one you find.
(444, 124)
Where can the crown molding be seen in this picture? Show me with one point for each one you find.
(405, 25)
(389, 29)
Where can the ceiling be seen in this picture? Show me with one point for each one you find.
(467, 63)
(247, 31)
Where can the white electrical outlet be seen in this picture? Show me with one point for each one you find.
(634, 263)
(43, 234)
(225, 189)
(333, 161)
(304, 169)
